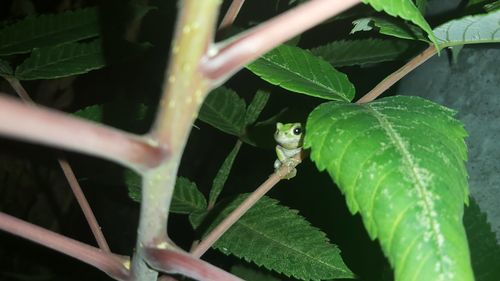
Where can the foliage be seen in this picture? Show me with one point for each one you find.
(396, 160)
(361, 52)
(281, 240)
(298, 71)
(475, 29)
(399, 161)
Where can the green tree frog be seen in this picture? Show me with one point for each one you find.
(289, 138)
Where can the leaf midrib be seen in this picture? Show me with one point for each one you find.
(321, 86)
(242, 224)
(395, 138)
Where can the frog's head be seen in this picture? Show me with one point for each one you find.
(289, 135)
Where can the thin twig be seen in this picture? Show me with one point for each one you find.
(398, 74)
(84, 205)
(112, 265)
(19, 89)
(70, 177)
(231, 14)
(177, 262)
(50, 127)
(237, 213)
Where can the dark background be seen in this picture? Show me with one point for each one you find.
(33, 188)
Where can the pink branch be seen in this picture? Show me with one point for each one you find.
(231, 14)
(70, 176)
(177, 262)
(84, 205)
(108, 263)
(49, 127)
(398, 75)
(233, 55)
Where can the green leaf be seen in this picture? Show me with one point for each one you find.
(249, 273)
(297, 70)
(484, 28)
(61, 61)
(5, 68)
(186, 199)
(360, 52)
(492, 6)
(255, 107)
(400, 163)
(279, 239)
(391, 27)
(224, 110)
(223, 174)
(92, 113)
(404, 9)
(484, 249)
(471, 3)
(49, 30)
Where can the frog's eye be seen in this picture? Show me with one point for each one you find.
(297, 131)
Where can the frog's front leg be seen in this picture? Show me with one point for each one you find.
(284, 158)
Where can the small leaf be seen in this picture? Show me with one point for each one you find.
(484, 248)
(5, 68)
(224, 110)
(363, 24)
(49, 30)
(475, 29)
(126, 115)
(400, 163)
(61, 61)
(360, 52)
(186, 199)
(92, 113)
(391, 27)
(255, 107)
(222, 174)
(404, 9)
(279, 239)
(297, 70)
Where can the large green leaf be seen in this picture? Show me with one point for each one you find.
(484, 248)
(49, 30)
(186, 199)
(360, 52)
(484, 28)
(224, 110)
(297, 70)
(404, 9)
(400, 163)
(61, 61)
(279, 239)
